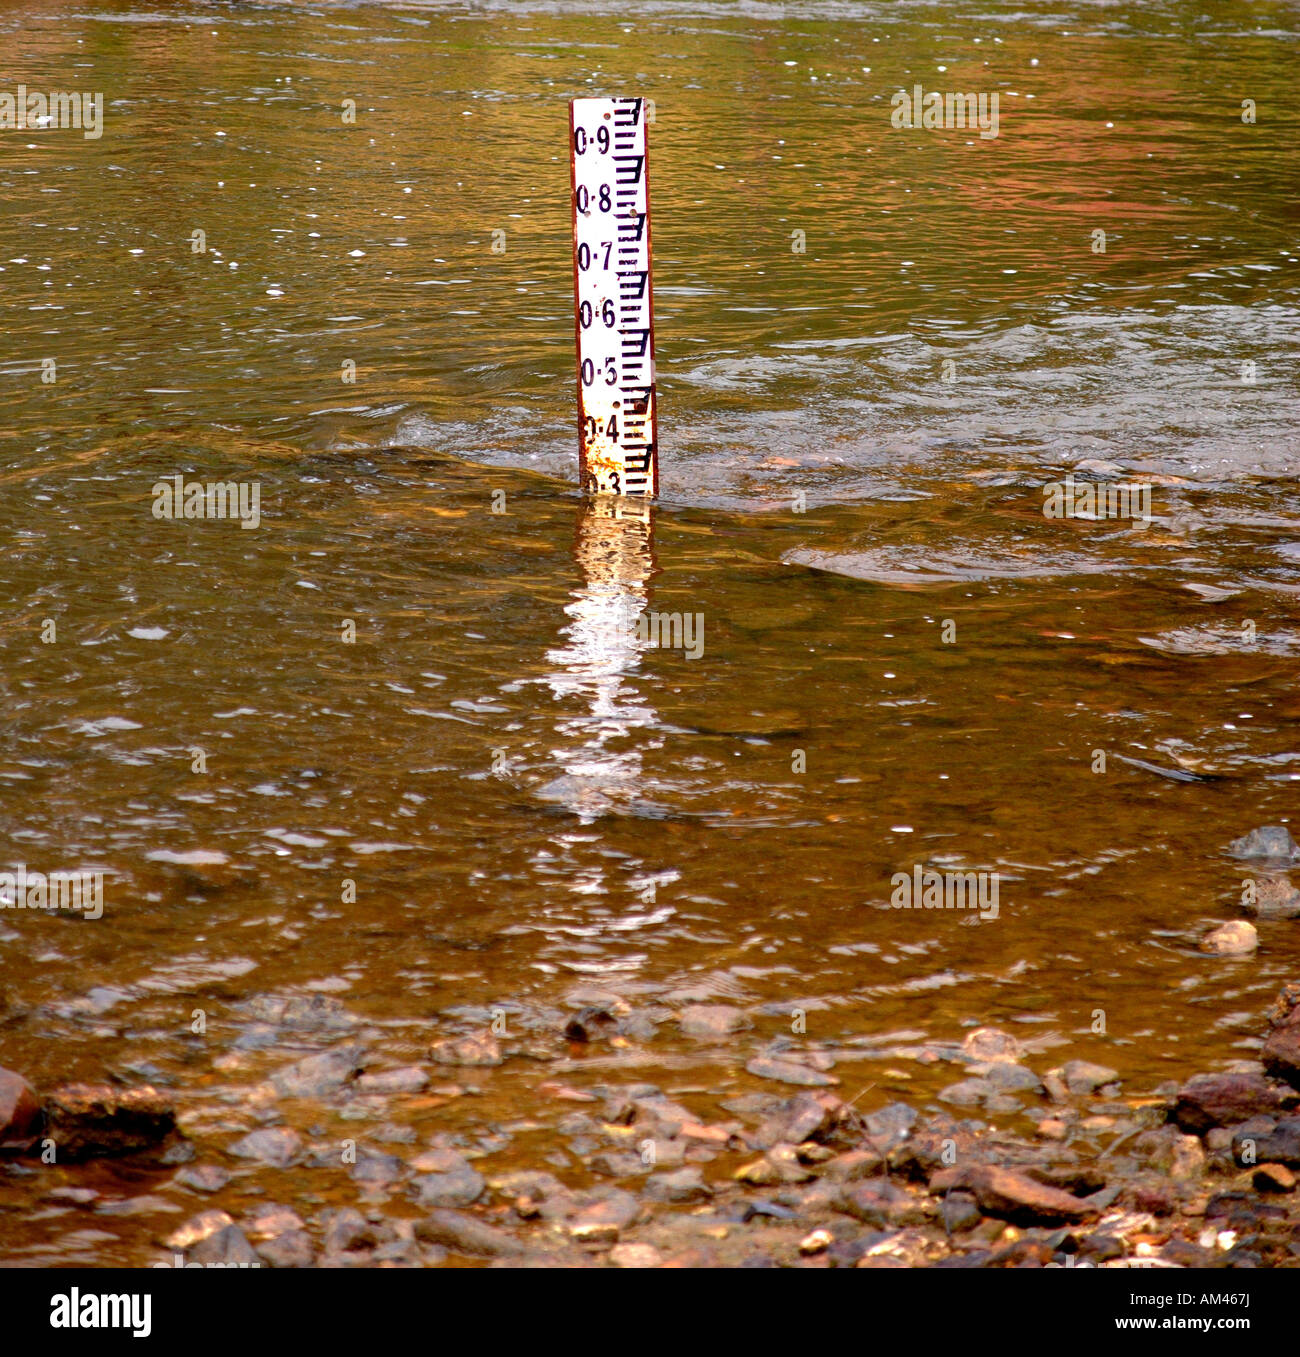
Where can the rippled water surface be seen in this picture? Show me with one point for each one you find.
(903, 661)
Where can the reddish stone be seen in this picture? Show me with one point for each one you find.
(1012, 1196)
(20, 1110)
(86, 1120)
(1211, 1100)
(1281, 1051)
(1274, 1178)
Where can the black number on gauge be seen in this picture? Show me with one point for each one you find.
(586, 314)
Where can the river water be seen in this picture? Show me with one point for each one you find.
(392, 746)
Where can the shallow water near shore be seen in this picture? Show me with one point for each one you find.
(902, 660)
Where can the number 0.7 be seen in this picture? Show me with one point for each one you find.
(585, 256)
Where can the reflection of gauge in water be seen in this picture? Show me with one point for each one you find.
(615, 544)
(602, 650)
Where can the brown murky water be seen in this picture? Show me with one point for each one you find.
(903, 661)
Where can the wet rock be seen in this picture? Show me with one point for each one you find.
(810, 1152)
(78, 1196)
(147, 1204)
(300, 1012)
(20, 1111)
(1012, 1196)
(1274, 1178)
(1182, 1253)
(888, 1126)
(86, 1120)
(759, 1209)
(663, 1151)
(1009, 1078)
(1210, 1100)
(1285, 1005)
(753, 1104)
(712, 1021)
(591, 1024)
(1188, 1160)
(1055, 1087)
(638, 1026)
(960, 1211)
(1082, 1077)
(1230, 1212)
(880, 1202)
(789, 1072)
(270, 1220)
(1270, 841)
(635, 1255)
(1275, 898)
(987, 1045)
(818, 1241)
(477, 1049)
(392, 1133)
(202, 1178)
(1101, 470)
(348, 1231)
(293, 1248)
(397, 1253)
(203, 871)
(408, 1079)
(927, 1151)
(276, 1146)
(373, 1166)
(441, 1158)
(197, 1228)
(534, 1184)
(853, 1165)
(319, 1075)
(683, 1186)
(1080, 1180)
(967, 1092)
(1280, 1144)
(1280, 1053)
(779, 1165)
(593, 996)
(618, 1164)
(814, 1199)
(227, 1247)
(849, 1252)
(578, 1124)
(601, 1221)
(811, 1116)
(468, 1236)
(666, 1116)
(1231, 939)
(459, 1187)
